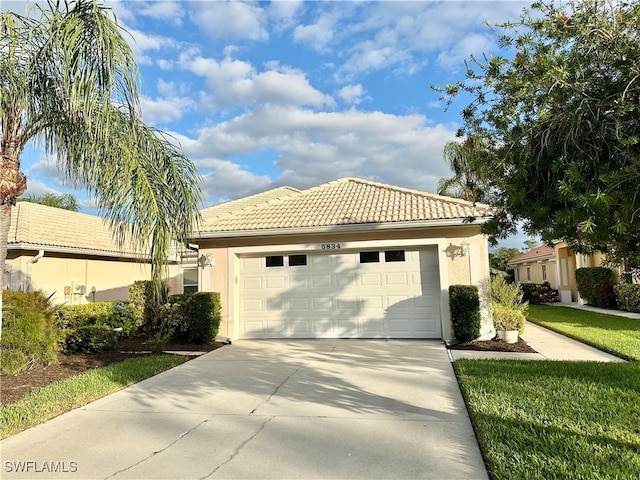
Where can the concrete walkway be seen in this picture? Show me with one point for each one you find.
(339, 409)
(551, 345)
(619, 313)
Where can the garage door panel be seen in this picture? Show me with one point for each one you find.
(335, 296)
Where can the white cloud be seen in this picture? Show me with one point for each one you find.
(164, 110)
(351, 93)
(313, 147)
(235, 82)
(316, 35)
(230, 20)
(227, 180)
(171, 11)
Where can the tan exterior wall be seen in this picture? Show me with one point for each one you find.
(455, 268)
(71, 278)
(536, 273)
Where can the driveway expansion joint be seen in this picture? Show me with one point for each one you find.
(278, 387)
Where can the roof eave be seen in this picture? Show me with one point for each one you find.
(81, 251)
(349, 228)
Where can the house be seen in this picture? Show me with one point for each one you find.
(538, 265)
(72, 256)
(555, 264)
(347, 259)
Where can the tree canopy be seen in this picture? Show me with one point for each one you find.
(560, 110)
(68, 81)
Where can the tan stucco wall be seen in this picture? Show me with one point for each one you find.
(469, 269)
(536, 273)
(53, 272)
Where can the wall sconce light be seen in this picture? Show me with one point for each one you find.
(208, 260)
(464, 248)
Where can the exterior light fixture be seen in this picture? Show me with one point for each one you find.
(464, 248)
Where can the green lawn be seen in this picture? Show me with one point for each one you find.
(617, 335)
(60, 397)
(548, 420)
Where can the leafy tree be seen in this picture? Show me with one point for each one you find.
(464, 160)
(560, 109)
(531, 243)
(69, 81)
(501, 256)
(65, 201)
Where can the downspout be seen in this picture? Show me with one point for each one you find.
(29, 263)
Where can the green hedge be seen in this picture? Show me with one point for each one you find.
(595, 286)
(146, 306)
(29, 337)
(91, 339)
(192, 318)
(628, 297)
(464, 304)
(111, 314)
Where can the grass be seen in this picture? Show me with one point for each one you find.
(57, 398)
(617, 335)
(551, 420)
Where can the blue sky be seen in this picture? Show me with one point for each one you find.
(263, 94)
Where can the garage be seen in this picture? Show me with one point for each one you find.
(365, 293)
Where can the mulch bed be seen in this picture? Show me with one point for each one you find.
(14, 387)
(495, 345)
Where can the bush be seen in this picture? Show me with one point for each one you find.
(464, 303)
(595, 286)
(27, 327)
(146, 304)
(91, 339)
(112, 314)
(537, 293)
(192, 318)
(507, 318)
(628, 297)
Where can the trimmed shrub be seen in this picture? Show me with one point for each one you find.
(628, 297)
(204, 317)
(595, 286)
(145, 304)
(464, 303)
(192, 318)
(29, 337)
(112, 314)
(91, 339)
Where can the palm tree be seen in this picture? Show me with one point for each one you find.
(66, 201)
(466, 182)
(69, 81)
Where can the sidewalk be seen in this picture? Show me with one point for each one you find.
(618, 313)
(549, 345)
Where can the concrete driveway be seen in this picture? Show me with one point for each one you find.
(269, 409)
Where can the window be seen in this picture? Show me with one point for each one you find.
(528, 274)
(369, 257)
(297, 260)
(544, 273)
(275, 261)
(394, 256)
(189, 280)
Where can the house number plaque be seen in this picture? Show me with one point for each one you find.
(330, 246)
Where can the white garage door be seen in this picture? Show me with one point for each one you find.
(362, 294)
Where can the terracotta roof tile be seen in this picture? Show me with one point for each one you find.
(36, 224)
(543, 251)
(343, 202)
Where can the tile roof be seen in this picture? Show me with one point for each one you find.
(347, 201)
(246, 202)
(538, 253)
(40, 225)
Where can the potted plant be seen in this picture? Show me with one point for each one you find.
(508, 309)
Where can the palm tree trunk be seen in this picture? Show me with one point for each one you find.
(13, 183)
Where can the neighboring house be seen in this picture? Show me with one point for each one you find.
(347, 259)
(556, 265)
(538, 265)
(71, 256)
